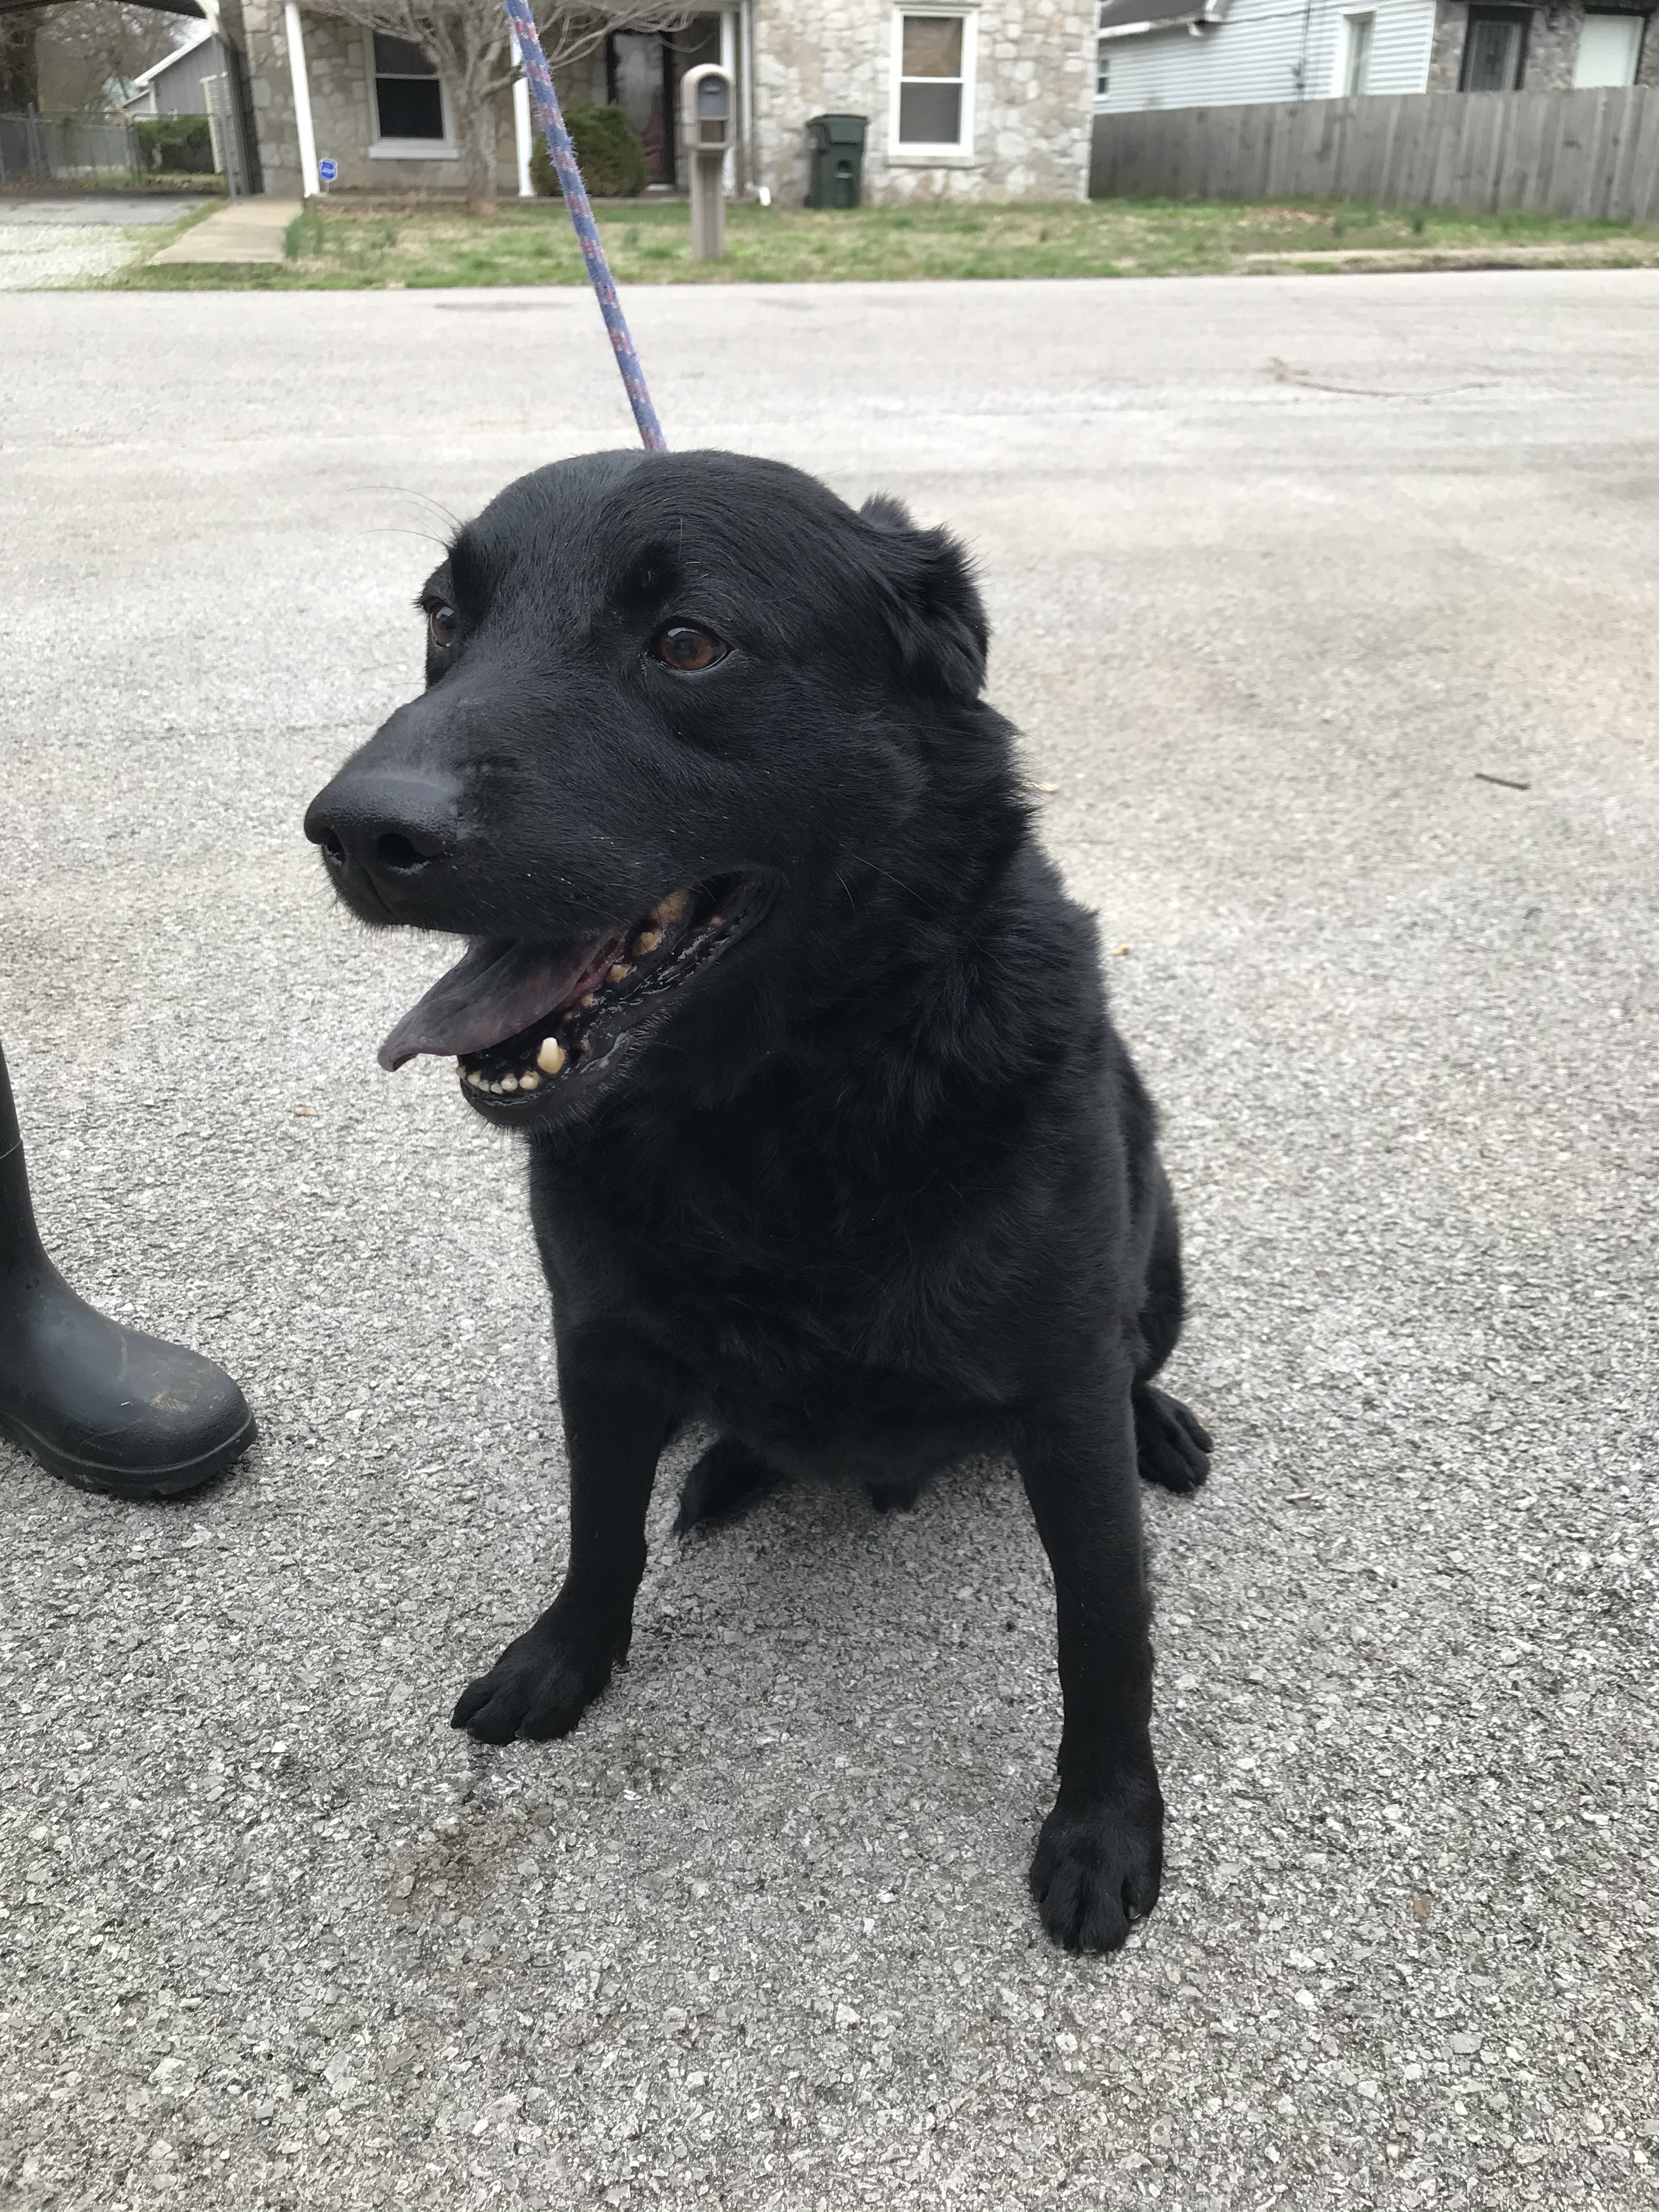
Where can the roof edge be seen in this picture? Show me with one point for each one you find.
(1187, 19)
(201, 32)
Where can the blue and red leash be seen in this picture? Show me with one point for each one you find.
(562, 154)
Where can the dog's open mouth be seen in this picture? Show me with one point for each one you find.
(520, 1017)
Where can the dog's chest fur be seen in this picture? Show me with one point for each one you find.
(851, 1265)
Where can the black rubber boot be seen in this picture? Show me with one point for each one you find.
(105, 1406)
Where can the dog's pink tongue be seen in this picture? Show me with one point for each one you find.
(499, 989)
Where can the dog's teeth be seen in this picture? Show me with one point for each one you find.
(550, 1057)
(590, 999)
(477, 1080)
(507, 1082)
(671, 908)
(530, 1080)
(620, 972)
(647, 941)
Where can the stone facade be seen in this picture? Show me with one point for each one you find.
(338, 71)
(1551, 47)
(1032, 100)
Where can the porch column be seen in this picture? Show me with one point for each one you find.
(729, 64)
(522, 141)
(746, 101)
(296, 62)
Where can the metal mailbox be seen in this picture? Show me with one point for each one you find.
(708, 131)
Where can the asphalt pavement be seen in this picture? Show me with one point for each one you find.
(1327, 608)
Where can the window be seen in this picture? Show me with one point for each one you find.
(934, 110)
(1495, 50)
(1358, 33)
(1609, 47)
(1103, 70)
(409, 100)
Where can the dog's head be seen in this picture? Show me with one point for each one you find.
(678, 707)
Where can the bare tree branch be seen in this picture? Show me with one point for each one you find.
(467, 42)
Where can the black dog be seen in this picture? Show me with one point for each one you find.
(832, 1146)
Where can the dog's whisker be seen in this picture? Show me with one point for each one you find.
(898, 882)
(407, 491)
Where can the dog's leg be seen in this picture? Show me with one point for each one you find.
(1164, 1302)
(723, 1484)
(1172, 1445)
(897, 1497)
(617, 1414)
(1100, 1856)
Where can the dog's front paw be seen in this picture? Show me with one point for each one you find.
(1099, 1863)
(1172, 1445)
(539, 1687)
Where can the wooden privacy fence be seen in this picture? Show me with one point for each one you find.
(1588, 156)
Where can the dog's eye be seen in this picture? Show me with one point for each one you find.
(685, 647)
(441, 624)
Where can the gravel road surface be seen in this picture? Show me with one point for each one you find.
(1328, 609)
(48, 242)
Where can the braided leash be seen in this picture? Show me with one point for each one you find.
(562, 154)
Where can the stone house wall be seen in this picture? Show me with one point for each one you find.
(1033, 101)
(338, 70)
(1551, 47)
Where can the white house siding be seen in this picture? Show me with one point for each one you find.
(1256, 53)
(176, 85)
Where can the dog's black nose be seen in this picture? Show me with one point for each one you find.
(387, 824)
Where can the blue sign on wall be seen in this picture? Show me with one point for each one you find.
(327, 170)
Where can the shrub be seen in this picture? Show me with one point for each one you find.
(182, 144)
(608, 148)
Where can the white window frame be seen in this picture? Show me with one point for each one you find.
(406, 149)
(916, 152)
(1600, 14)
(1345, 52)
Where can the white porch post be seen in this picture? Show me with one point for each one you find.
(296, 62)
(746, 105)
(522, 138)
(729, 64)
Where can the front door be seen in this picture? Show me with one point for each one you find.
(1495, 50)
(643, 70)
(636, 65)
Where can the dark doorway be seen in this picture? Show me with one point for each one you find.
(642, 73)
(1495, 50)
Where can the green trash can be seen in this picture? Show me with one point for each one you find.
(835, 177)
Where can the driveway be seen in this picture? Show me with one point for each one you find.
(67, 240)
(1326, 608)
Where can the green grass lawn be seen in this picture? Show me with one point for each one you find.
(648, 242)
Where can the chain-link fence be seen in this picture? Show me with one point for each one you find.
(36, 149)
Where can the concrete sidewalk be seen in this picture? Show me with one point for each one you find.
(241, 230)
(1279, 573)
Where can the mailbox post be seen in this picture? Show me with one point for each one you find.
(706, 113)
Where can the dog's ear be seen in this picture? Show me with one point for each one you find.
(932, 605)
